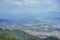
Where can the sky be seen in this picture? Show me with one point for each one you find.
(32, 6)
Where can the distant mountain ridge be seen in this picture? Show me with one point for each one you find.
(30, 26)
(39, 24)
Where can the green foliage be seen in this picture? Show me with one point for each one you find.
(6, 34)
(51, 38)
(9, 38)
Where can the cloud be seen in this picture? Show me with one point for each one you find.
(47, 2)
(18, 3)
(34, 6)
(10, 2)
(50, 5)
(15, 2)
(31, 2)
(45, 6)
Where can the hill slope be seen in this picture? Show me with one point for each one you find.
(18, 34)
(6, 34)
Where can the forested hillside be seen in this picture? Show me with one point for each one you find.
(6, 34)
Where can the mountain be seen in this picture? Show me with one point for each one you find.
(51, 38)
(17, 34)
(39, 24)
(31, 26)
(7, 34)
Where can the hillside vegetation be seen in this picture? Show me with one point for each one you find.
(6, 34)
